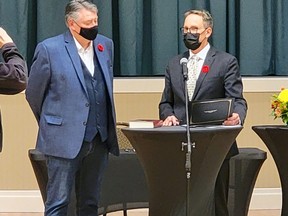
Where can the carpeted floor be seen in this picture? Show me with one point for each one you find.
(144, 212)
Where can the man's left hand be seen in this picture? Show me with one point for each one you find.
(232, 120)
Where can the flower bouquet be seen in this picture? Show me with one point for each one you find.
(279, 105)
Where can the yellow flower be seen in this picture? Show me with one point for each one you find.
(279, 105)
(283, 96)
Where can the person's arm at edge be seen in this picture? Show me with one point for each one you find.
(13, 72)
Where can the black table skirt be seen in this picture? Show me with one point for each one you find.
(124, 186)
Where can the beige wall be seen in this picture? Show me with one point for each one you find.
(20, 131)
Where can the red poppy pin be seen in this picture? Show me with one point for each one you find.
(205, 69)
(100, 47)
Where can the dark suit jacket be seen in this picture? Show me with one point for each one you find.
(58, 96)
(222, 80)
(13, 74)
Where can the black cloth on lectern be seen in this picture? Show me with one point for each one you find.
(126, 174)
(124, 186)
(159, 151)
(244, 169)
(275, 138)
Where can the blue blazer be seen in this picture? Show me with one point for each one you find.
(57, 95)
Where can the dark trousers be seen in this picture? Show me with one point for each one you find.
(221, 190)
(85, 172)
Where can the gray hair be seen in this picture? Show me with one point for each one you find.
(73, 7)
(206, 16)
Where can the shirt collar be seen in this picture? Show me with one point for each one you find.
(80, 48)
(202, 54)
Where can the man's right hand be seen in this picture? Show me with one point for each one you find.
(4, 37)
(171, 121)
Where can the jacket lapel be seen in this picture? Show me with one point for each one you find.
(208, 62)
(75, 58)
(102, 58)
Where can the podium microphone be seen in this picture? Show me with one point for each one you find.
(183, 62)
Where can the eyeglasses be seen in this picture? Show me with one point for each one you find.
(192, 30)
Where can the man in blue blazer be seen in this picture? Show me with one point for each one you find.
(217, 76)
(70, 91)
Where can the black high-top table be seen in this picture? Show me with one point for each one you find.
(275, 137)
(163, 160)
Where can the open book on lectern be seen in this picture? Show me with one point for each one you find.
(210, 112)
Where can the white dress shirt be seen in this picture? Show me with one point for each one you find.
(201, 55)
(87, 55)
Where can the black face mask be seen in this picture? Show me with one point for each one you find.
(89, 33)
(191, 41)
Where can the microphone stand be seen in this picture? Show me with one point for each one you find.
(188, 144)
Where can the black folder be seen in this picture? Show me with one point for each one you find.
(213, 111)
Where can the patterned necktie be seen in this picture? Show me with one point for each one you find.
(192, 75)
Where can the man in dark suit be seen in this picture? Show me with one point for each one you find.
(13, 71)
(70, 92)
(217, 76)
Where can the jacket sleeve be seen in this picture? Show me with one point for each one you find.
(234, 88)
(13, 71)
(39, 79)
(167, 101)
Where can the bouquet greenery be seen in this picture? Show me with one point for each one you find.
(279, 105)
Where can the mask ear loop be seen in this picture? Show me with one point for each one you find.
(207, 32)
(201, 34)
(205, 35)
(76, 23)
(78, 26)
